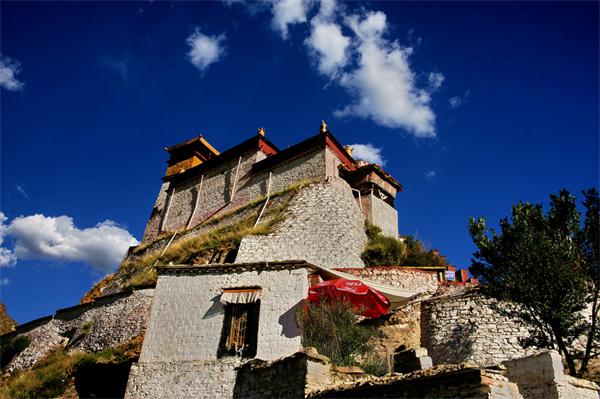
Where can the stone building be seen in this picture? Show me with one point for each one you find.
(201, 182)
(226, 328)
(209, 320)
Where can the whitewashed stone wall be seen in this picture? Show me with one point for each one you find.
(217, 188)
(187, 316)
(179, 354)
(202, 380)
(466, 328)
(109, 322)
(381, 214)
(323, 225)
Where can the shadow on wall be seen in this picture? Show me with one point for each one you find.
(102, 380)
(285, 378)
(215, 309)
(288, 322)
(447, 344)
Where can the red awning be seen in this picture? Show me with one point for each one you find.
(368, 300)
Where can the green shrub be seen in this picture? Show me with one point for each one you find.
(333, 329)
(387, 251)
(383, 251)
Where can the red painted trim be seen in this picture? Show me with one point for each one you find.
(266, 147)
(341, 153)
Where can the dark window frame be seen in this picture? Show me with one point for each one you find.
(233, 311)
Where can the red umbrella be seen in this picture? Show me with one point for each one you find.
(370, 301)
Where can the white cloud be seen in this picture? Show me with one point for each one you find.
(368, 153)
(353, 51)
(456, 102)
(7, 258)
(118, 65)
(57, 238)
(430, 174)
(205, 50)
(328, 46)
(383, 84)
(9, 69)
(288, 12)
(4, 281)
(436, 80)
(21, 190)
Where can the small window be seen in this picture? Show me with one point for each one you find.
(240, 326)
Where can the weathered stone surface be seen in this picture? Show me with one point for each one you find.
(379, 213)
(107, 323)
(176, 201)
(464, 327)
(437, 382)
(183, 336)
(180, 379)
(323, 225)
(542, 376)
(7, 324)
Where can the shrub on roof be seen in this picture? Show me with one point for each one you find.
(382, 250)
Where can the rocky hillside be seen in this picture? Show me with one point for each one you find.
(7, 324)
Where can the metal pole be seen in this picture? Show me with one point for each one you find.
(233, 190)
(187, 226)
(266, 201)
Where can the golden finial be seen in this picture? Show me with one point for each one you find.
(348, 150)
(261, 131)
(323, 127)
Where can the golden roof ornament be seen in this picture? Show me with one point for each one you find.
(261, 131)
(323, 127)
(348, 150)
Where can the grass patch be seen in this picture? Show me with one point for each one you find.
(186, 249)
(50, 377)
(374, 364)
(292, 188)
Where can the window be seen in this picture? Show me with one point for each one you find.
(240, 326)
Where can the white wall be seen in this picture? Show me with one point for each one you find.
(187, 316)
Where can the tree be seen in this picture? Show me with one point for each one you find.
(547, 265)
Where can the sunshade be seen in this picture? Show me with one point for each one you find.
(369, 301)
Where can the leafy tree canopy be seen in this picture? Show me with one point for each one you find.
(547, 264)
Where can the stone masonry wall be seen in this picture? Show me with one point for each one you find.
(179, 354)
(109, 322)
(285, 378)
(187, 316)
(466, 328)
(217, 188)
(542, 376)
(432, 383)
(202, 380)
(323, 225)
(406, 278)
(381, 214)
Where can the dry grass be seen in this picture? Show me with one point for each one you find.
(183, 251)
(51, 376)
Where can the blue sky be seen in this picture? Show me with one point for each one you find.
(471, 106)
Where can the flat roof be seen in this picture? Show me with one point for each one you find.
(220, 268)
